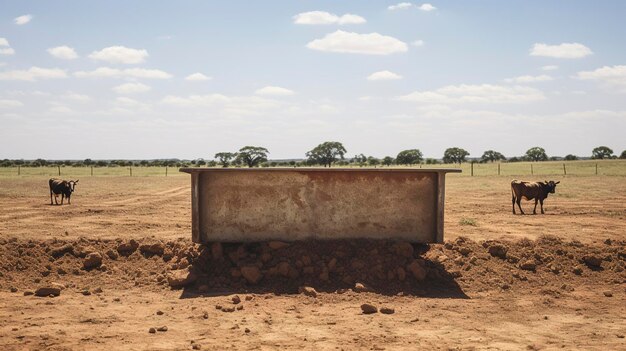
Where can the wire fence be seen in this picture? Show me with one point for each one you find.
(547, 168)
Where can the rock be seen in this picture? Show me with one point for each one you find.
(217, 251)
(151, 330)
(13, 289)
(283, 269)
(403, 249)
(249, 297)
(608, 294)
(196, 347)
(47, 291)
(98, 290)
(252, 274)
(360, 287)
(159, 313)
(332, 264)
(387, 310)
(577, 270)
(86, 292)
(28, 293)
(92, 260)
(112, 254)
(247, 330)
(60, 251)
(528, 265)
(153, 249)
(368, 308)
(465, 251)
(236, 299)
(239, 307)
(498, 250)
(277, 245)
(266, 257)
(417, 269)
(205, 315)
(306, 260)
(127, 249)
(181, 278)
(307, 291)
(228, 309)
(593, 261)
(162, 329)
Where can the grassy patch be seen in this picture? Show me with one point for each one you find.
(468, 221)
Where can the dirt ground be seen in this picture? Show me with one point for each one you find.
(488, 287)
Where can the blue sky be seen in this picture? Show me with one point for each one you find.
(187, 79)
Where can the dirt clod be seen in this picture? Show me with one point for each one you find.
(47, 291)
(92, 260)
(252, 274)
(498, 250)
(307, 291)
(367, 308)
(387, 310)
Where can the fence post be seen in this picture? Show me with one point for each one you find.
(130, 169)
(596, 169)
(472, 173)
(59, 168)
(564, 171)
(166, 171)
(498, 168)
(19, 171)
(532, 172)
(92, 171)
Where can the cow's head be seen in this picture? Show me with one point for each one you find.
(73, 184)
(551, 185)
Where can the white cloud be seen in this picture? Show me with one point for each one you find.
(418, 43)
(226, 105)
(611, 75)
(63, 52)
(131, 88)
(76, 97)
(274, 91)
(400, 6)
(107, 72)
(529, 79)
(384, 75)
(33, 74)
(10, 103)
(323, 17)
(427, 7)
(23, 19)
(549, 68)
(120, 54)
(565, 50)
(197, 77)
(355, 43)
(8, 50)
(484, 93)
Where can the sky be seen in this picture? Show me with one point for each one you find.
(188, 79)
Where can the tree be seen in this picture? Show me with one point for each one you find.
(360, 159)
(492, 156)
(373, 161)
(409, 157)
(225, 158)
(327, 153)
(454, 155)
(570, 157)
(601, 152)
(623, 155)
(388, 161)
(252, 156)
(536, 154)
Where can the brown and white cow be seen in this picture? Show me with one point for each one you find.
(531, 190)
(63, 187)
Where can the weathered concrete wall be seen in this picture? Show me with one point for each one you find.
(240, 205)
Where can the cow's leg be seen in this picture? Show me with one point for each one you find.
(541, 201)
(535, 209)
(68, 201)
(56, 199)
(519, 200)
(50, 197)
(62, 197)
(513, 202)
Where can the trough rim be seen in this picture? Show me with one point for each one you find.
(311, 169)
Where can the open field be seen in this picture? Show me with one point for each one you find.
(469, 300)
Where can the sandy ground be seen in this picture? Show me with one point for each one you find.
(495, 304)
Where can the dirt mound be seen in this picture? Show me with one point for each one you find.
(381, 266)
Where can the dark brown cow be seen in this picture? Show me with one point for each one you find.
(531, 190)
(63, 187)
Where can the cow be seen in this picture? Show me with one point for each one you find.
(531, 190)
(63, 187)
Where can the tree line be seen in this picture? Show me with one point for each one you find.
(325, 154)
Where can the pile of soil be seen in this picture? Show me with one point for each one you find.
(453, 269)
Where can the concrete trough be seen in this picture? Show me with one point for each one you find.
(289, 204)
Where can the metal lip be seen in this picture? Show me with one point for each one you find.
(311, 169)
